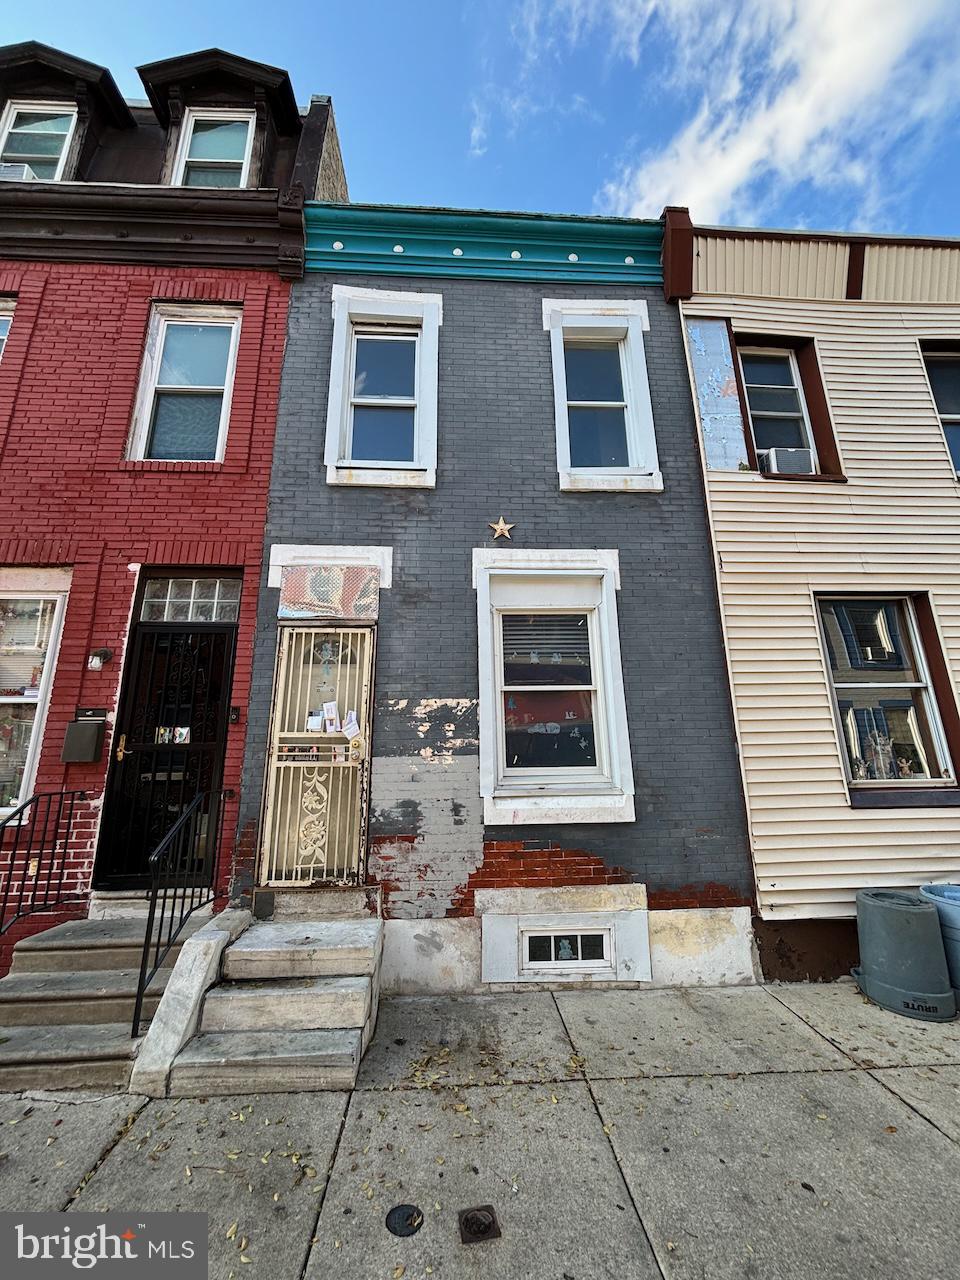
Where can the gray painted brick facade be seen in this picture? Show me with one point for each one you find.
(497, 455)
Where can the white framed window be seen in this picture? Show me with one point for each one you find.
(943, 372)
(554, 744)
(382, 401)
(886, 709)
(37, 135)
(6, 320)
(30, 626)
(566, 950)
(214, 149)
(779, 419)
(186, 384)
(604, 417)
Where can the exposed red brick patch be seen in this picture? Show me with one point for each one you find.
(686, 896)
(508, 865)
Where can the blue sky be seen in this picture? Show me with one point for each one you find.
(806, 113)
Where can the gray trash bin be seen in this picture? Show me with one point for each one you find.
(946, 898)
(902, 962)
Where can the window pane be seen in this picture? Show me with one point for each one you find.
(539, 949)
(21, 145)
(591, 946)
(887, 736)
(546, 648)
(868, 641)
(185, 426)
(227, 611)
(549, 730)
(566, 946)
(229, 588)
(4, 330)
(773, 400)
(382, 435)
(16, 729)
(945, 381)
(45, 170)
(598, 438)
(779, 433)
(42, 122)
(227, 175)
(218, 140)
(195, 355)
(772, 371)
(952, 431)
(24, 638)
(593, 372)
(385, 367)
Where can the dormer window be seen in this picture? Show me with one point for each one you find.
(35, 138)
(215, 148)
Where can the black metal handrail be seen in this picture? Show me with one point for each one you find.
(183, 879)
(35, 852)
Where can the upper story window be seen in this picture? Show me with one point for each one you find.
(554, 743)
(37, 135)
(604, 418)
(6, 320)
(382, 402)
(215, 149)
(183, 403)
(778, 413)
(889, 721)
(944, 374)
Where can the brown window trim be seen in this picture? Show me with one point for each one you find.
(818, 478)
(811, 380)
(943, 692)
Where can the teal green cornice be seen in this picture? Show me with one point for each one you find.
(403, 241)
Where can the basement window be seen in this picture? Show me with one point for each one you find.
(183, 403)
(542, 949)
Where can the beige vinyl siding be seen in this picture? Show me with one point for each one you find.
(911, 273)
(895, 527)
(770, 268)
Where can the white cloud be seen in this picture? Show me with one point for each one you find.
(780, 93)
(478, 128)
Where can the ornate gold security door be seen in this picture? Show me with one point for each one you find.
(319, 769)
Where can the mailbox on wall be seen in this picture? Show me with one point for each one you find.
(83, 741)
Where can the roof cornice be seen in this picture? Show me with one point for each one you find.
(404, 241)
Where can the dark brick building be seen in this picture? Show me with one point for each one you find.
(444, 370)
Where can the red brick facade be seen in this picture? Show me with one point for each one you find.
(68, 381)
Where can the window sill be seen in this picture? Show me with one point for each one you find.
(811, 479)
(169, 464)
(520, 810)
(907, 798)
(384, 477)
(621, 482)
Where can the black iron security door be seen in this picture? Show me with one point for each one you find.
(169, 744)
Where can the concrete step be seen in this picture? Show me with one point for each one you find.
(90, 944)
(347, 902)
(292, 949)
(290, 1004)
(221, 1063)
(88, 996)
(66, 1056)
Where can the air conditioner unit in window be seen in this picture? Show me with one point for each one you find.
(795, 462)
(17, 173)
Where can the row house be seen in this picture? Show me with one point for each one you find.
(489, 685)
(826, 371)
(146, 254)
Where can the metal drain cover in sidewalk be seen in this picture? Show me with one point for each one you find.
(404, 1220)
(478, 1224)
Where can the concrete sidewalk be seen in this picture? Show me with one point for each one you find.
(697, 1134)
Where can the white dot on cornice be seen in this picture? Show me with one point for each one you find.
(338, 244)
(398, 248)
(458, 253)
(573, 257)
(515, 254)
(628, 260)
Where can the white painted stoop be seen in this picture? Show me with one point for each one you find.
(294, 1008)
